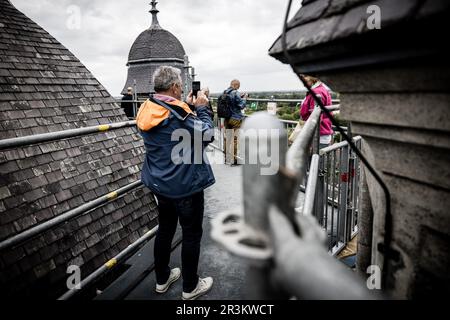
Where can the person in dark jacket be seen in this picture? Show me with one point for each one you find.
(127, 104)
(233, 124)
(177, 176)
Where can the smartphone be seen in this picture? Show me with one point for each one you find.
(195, 88)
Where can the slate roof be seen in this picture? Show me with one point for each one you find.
(324, 30)
(156, 42)
(152, 48)
(45, 88)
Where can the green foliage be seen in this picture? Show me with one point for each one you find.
(285, 111)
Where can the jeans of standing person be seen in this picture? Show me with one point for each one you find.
(189, 211)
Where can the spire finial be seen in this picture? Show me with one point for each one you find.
(154, 12)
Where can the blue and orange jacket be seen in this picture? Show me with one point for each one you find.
(163, 172)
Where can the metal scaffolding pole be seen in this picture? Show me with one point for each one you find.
(110, 263)
(311, 185)
(261, 133)
(58, 135)
(297, 155)
(27, 234)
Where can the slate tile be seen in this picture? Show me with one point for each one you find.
(7, 230)
(44, 268)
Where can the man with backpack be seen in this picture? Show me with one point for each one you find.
(229, 106)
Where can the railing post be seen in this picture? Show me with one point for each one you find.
(316, 139)
(351, 195)
(263, 136)
(318, 204)
(321, 202)
(135, 107)
(356, 183)
(343, 194)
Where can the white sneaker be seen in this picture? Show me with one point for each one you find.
(174, 276)
(203, 286)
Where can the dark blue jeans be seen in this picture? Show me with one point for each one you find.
(189, 211)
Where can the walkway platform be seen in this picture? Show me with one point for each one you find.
(228, 271)
(138, 281)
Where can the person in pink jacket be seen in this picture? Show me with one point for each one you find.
(307, 107)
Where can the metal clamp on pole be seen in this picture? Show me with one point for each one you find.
(230, 230)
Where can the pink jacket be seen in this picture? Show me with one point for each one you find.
(308, 106)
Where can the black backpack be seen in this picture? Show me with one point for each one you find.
(224, 106)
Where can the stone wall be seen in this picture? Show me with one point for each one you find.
(403, 114)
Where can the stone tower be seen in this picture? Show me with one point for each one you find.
(154, 47)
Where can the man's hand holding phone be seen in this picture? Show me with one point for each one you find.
(199, 101)
(195, 87)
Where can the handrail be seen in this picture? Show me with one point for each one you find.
(289, 121)
(283, 100)
(297, 154)
(337, 145)
(333, 101)
(310, 191)
(110, 263)
(276, 100)
(58, 135)
(29, 233)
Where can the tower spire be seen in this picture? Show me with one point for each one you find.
(154, 13)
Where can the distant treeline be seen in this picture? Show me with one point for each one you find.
(285, 110)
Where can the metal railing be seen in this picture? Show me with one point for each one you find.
(336, 193)
(247, 231)
(334, 101)
(63, 134)
(332, 181)
(329, 178)
(136, 103)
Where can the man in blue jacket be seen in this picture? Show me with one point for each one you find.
(177, 173)
(233, 124)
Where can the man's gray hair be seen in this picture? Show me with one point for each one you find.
(164, 77)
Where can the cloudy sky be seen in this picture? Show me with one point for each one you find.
(224, 39)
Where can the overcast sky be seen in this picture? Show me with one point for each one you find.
(224, 39)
